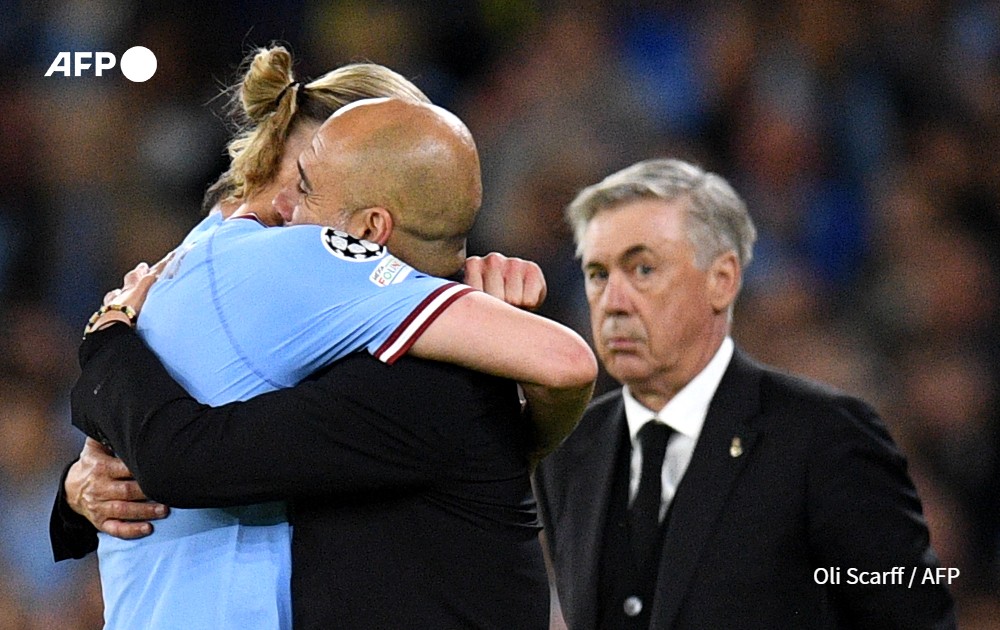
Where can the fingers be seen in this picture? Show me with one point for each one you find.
(129, 511)
(101, 491)
(111, 296)
(92, 447)
(158, 268)
(525, 283)
(129, 280)
(137, 280)
(127, 530)
(111, 468)
(100, 464)
(132, 277)
(494, 277)
(104, 502)
(518, 282)
(474, 272)
(99, 486)
(118, 508)
(535, 288)
(143, 273)
(488, 274)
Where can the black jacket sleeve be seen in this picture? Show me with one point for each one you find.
(865, 517)
(351, 428)
(71, 535)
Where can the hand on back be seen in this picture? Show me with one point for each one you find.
(516, 281)
(100, 488)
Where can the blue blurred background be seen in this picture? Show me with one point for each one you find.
(864, 135)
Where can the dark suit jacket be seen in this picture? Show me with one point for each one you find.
(817, 482)
(411, 497)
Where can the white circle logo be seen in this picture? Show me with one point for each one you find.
(138, 64)
(343, 245)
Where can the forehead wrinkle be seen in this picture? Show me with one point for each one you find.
(311, 155)
(318, 142)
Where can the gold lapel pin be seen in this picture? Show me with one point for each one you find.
(736, 448)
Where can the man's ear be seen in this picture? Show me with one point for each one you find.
(724, 278)
(376, 225)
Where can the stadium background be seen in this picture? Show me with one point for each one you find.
(864, 136)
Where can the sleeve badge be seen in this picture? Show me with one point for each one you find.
(343, 245)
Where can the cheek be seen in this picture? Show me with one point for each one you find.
(660, 321)
(674, 324)
(661, 341)
(596, 319)
(308, 210)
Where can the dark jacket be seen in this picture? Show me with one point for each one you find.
(787, 478)
(409, 483)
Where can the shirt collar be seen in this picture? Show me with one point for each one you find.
(250, 215)
(685, 412)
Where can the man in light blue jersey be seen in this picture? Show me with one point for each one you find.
(244, 308)
(270, 306)
(218, 325)
(274, 118)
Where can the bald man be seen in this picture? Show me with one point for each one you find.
(395, 172)
(412, 508)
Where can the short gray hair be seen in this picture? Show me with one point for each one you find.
(718, 220)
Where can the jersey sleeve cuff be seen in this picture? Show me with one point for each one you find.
(401, 339)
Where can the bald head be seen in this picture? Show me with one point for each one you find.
(415, 160)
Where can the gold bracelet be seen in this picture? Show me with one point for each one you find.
(125, 309)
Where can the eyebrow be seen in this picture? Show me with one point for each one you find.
(628, 254)
(634, 251)
(302, 175)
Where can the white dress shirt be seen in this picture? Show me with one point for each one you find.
(685, 414)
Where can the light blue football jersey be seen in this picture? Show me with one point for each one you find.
(243, 309)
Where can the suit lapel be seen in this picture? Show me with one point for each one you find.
(721, 453)
(593, 477)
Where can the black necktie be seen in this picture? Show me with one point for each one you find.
(644, 515)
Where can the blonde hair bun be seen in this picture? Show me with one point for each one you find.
(269, 75)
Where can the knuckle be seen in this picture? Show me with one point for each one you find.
(89, 507)
(493, 259)
(123, 510)
(102, 493)
(123, 490)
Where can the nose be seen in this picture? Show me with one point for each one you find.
(616, 299)
(284, 204)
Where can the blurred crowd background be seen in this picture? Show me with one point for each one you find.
(864, 135)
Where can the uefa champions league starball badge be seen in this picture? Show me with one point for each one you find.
(343, 245)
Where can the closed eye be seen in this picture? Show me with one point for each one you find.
(304, 185)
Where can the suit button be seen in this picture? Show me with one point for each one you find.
(632, 606)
